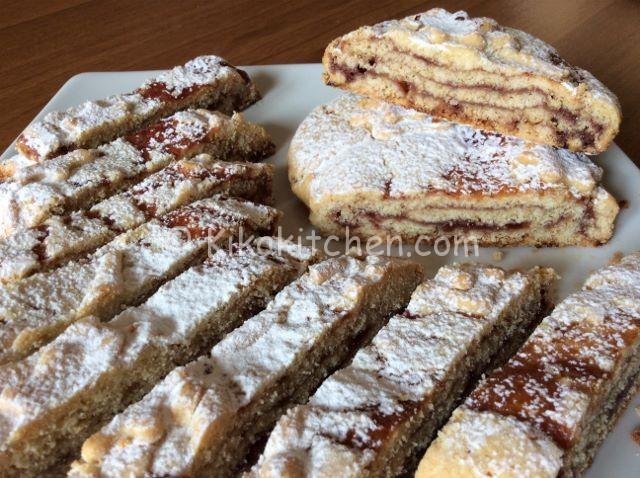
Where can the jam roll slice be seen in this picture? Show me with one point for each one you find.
(548, 409)
(372, 417)
(204, 82)
(381, 170)
(81, 178)
(125, 271)
(54, 399)
(62, 238)
(477, 72)
(203, 418)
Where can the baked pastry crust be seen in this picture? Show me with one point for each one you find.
(62, 238)
(474, 71)
(83, 177)
(125, 271)
(372, 417)
(204, 82)
(205, 416)
(54, 399)
(387, 171)
(547, 410)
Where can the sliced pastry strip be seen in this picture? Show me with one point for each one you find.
(384, 170)
(57, 397)
(548, 409)
(204, 82)
(61, 238)
(474, 71)
(81, 178)
(372, 417)
(123, 272)
(203, 418)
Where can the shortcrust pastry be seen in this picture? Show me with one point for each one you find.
(474, 71)
(548, 409)
(51, 401)
(83, 177)
(384, 170)
(204, 82)
(62, 238)
(202, 419)
(372, 417)
(125, 271)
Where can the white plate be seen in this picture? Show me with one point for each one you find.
(292, 91)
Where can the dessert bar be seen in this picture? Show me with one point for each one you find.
(474, 71)
(62, 238)
(204, 82)
(203, 418)
(384, 170)
(81, 178)
(372, 417)
(54, 399)
(548, 409)
(125, 271)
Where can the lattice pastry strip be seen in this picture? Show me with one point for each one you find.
(51, 401)
(204, 417)
(81, 178)
(546, 411)
(372, 417)
(123, 272)
(204, 82)
(61, 238)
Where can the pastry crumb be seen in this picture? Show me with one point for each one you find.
(635, 436)
(498, 256)
(615, 258)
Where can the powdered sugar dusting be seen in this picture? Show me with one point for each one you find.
(77, 179)
(60, 237)
(353, 413)
(48, 383)
(201, 399)
(203, 70)
(491, 45)
(354, 144)
(93, 122)
(560, 377)
(486, 444)
(41, 306)
(554, 378)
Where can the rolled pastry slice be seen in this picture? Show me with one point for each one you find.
(382, 170)
(548, 409)
(372, 417)
(204, 82)
(51, 401)
(81, 178)
(474, 71)
(62, 238)
(123, 272)
(204, 417)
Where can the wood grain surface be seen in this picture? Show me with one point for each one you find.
(45, 42)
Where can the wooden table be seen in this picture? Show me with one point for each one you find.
(45, 42)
